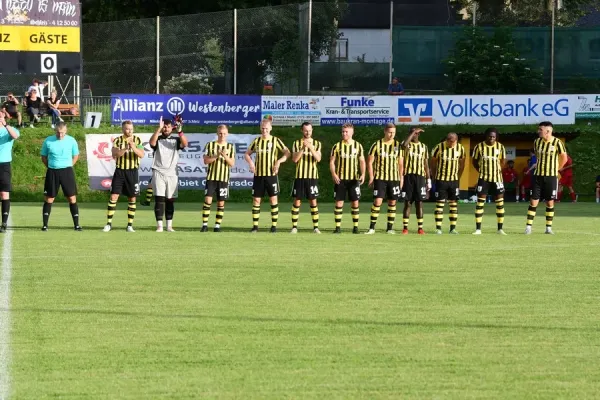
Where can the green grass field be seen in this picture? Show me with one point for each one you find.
(185, 315)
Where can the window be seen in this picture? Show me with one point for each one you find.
(341, 50)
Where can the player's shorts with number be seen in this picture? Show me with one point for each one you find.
(217, 189)
(126, 182)
(389, 190)
(347, 188)
(544, 187)
(5, 177)
(415, 187)
(491, 188)
(262, 185)
(447, 190)
(60, 178)
(305, 188)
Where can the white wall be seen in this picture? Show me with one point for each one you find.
(374, 43)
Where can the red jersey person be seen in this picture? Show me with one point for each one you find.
(566, 179)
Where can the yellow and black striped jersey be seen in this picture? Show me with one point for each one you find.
(218, 170)
(386, 156)
(267, 152)
(448, 161)
(306, 167)
(347, 156)
(415, 157)
(489, 160)
(547, 156)
(129, 160)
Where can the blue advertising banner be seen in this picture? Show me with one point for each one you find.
(146, 109)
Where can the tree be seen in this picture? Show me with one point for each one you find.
(483, 63)
(527, 12)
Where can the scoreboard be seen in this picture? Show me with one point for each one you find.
(40, 37)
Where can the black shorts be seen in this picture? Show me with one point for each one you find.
(5, 177)
(60, 178)
(265, 185)
(126, 182)
(415, 188)
(12, 113)
(492, 188)
(447, 190)
(389, 190)
(544, 187)
(217, 189)
(347, 187)
(305, 188)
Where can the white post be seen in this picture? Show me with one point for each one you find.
(552, 48)
(474, 13)
(308, 46)
(391, 68)
(235, 51)
(157, 55)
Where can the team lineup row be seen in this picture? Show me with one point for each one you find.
(397, 171)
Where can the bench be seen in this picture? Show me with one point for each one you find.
(68, 110)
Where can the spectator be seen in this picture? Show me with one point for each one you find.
(53, 101)
(598, 189)
(528, 174)
(511, 179)
(39, 86)
(566, 179)
(395, 88)
(10, 108)
(34, 104)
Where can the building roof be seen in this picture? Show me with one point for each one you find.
(530, 136)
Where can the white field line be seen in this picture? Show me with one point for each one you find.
(5, 281)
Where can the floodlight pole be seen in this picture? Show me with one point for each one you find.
(552, 47)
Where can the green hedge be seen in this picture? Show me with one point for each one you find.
(28, 170)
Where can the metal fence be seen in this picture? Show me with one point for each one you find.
(311, 47)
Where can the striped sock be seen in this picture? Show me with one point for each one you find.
(355, 215)
(219, 216)
(314, 212)
(338, 216)
(479, 212)
(110, 212)
(205, 213)
(149, 194)
(531, 215)
(453, 214)
(374, 215)
(131, 206)
(500, 213)
(420, 222)
(391, 217)
(274, 214)
(255, 215)
(404, 223)
(549, 216)
(439, 214)
(295, 216)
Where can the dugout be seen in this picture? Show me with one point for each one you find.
(517, 146)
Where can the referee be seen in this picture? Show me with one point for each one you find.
(127, 151)
(8, 135)
(59, 153)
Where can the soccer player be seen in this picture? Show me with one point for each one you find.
(385, 177)
(220, 157)
(265, 168)
(598, 189)
(8, 135)
(510, 178)
(488, 160)
(59, 154)
(416, 177)
(566, 179)
(165, 176)
(306, 153)
(347, 165)
(127, 151)
(528, 175)
(447, 165)
(551, 157)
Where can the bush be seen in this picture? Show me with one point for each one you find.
(194, 83)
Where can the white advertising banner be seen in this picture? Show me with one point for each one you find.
(485, 110)
(192, 170)
(587, 106)
(358, 110)
(291, 110)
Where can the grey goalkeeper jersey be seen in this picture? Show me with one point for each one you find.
(166, 154)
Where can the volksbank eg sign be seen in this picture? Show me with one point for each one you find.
(496, 110)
